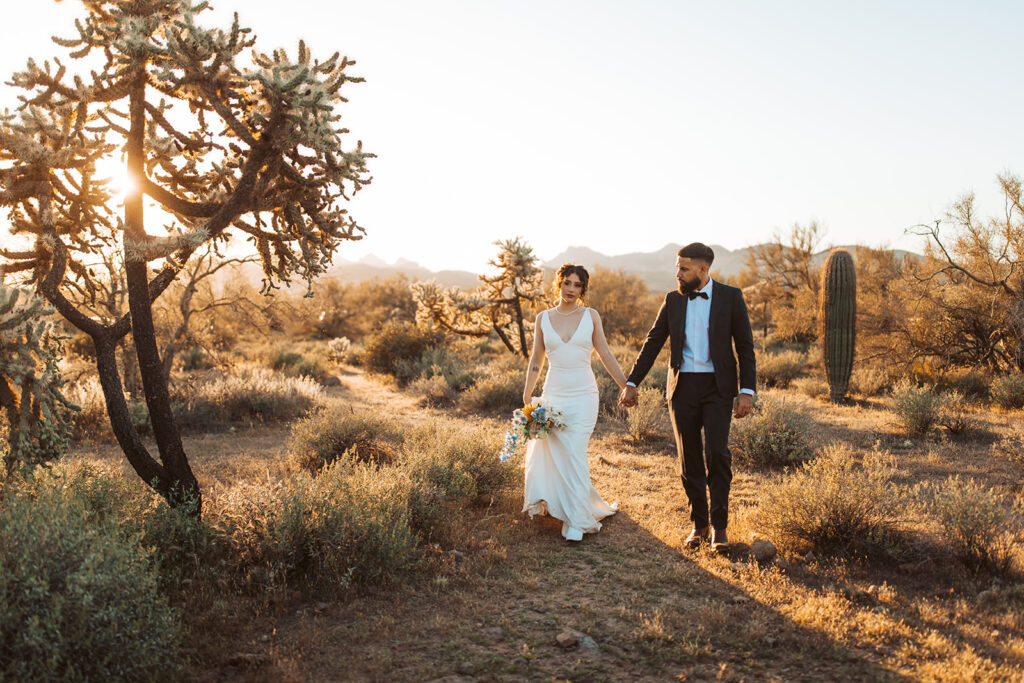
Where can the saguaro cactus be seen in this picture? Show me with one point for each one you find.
(838, 318)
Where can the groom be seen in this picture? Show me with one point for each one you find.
(702, 321)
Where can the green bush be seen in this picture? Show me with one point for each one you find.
(917, 408)
(79, 596)
(978, 524)
(396, 342)
(1008, 390)
(333, 434)
(780, 369)
(775, 433)
(835, 505)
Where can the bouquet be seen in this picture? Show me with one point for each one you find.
(533, 421)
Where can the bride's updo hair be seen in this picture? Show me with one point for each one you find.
(567, 269)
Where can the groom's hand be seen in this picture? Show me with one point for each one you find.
(744, 404)
(628, 397)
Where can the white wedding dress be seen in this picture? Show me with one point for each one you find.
(557, 471)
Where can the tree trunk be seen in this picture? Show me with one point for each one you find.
(182, 484)
(127, 436)
(517, 306)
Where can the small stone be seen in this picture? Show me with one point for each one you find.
(872, 589)
(763, 550)
(771, 641)
(740, 599)
(457, 554)
(331, 382)
(907, 443)
(321, 606)
(466, 669)
(265, 638)
(589, 646)
(567, 639)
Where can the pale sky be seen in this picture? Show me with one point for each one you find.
(623, 126)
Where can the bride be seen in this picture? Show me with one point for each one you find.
(557, 472)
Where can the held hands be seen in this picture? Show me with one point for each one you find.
(743, 405)
(628, 397)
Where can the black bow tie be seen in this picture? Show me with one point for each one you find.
(694, 295)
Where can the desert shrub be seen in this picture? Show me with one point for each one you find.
(978, 524)
(91, 420)
(648, 417)
(871, 380)
(833, 504)
(194, 358)
(348, 524)
(814, 387)
(917, 408)
(779, 369)
(396, 342)
(497, 392)
(76, 585)
(775, 433)
(247, 394)
(955, 415)
(1008, 390)
(970, 384)
(283, 359)
(446, 469)
(442, 453)
(434, 390)
(608, 394)
(433, 362)
(332, 434)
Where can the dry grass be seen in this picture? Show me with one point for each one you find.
(502, 587)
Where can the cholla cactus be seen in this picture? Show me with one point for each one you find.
(30, 396)
(494, 307)
(221, 143)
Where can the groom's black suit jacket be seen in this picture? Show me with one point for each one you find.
(728, 324)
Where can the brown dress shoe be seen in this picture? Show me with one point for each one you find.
(697, 536)
(719, 541)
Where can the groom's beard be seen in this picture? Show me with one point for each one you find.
(688, 286)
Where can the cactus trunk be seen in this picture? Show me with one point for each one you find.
(838, 318)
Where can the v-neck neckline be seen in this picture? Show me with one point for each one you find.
(571, 336)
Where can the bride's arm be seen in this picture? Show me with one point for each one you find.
(536, 361)
(608, 360)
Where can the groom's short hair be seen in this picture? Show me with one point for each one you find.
(699, 252)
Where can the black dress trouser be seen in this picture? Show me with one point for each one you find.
(706, 462)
